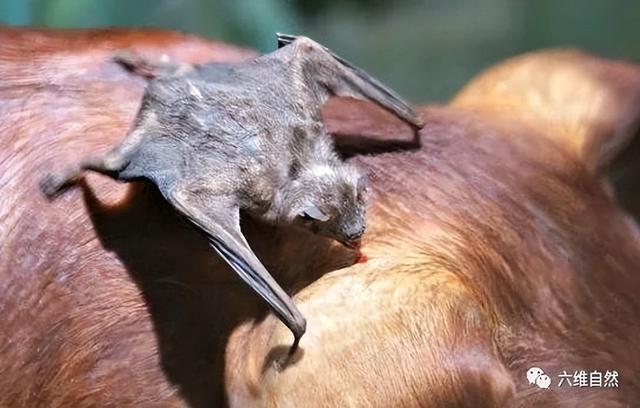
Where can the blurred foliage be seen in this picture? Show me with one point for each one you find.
(425, 49)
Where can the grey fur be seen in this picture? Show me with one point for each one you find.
(222, 137)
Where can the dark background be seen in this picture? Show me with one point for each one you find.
(425, 49)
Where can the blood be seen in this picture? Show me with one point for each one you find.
(362, 258)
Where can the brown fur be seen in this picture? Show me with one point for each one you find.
(493, 246)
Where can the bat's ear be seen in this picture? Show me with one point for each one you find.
(588, 104)
(314, 213)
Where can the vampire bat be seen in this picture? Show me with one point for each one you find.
(223, 137)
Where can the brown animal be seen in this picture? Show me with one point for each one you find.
(495, 245)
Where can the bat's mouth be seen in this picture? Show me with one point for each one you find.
(352, 244)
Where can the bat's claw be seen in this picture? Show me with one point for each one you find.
(134, 63)
(298, 328)
(297, 335)
(53, 185)
(149, 68)
(419, 122)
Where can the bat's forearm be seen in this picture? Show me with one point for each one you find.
(252, 272)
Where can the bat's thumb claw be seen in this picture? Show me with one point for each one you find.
(51, 186)
(298, 328)
(417, 121)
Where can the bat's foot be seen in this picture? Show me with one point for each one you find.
(52, 185)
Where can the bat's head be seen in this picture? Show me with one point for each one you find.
(329, 201)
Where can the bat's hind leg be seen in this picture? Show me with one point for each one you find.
(110, 164)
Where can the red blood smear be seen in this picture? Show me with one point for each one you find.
(362, 258)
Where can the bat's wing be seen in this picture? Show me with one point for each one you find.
(345, 79)
(220, 221)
